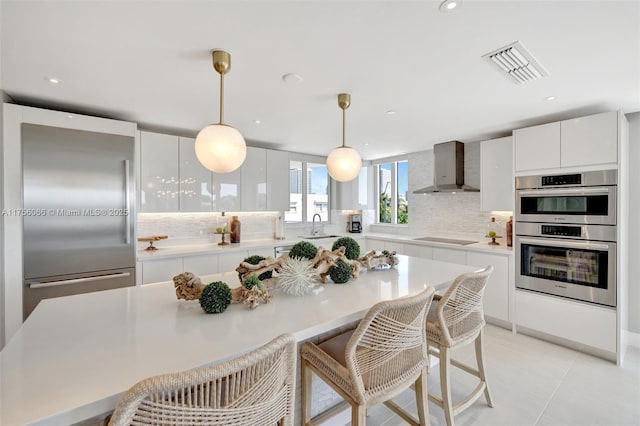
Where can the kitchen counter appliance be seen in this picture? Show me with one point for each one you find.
(354, 223)
(79, 205)
(565, 242)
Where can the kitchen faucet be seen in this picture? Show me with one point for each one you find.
(313, 227)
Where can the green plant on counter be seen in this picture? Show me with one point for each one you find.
(252, 281)
(352, 247)
(215, 297)
(303, 250)
(341, 273)
(254, 260)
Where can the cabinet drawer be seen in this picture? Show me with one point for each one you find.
(200, 265)
(416, 250)
(154, 271)
(589, 325)
(450, 255)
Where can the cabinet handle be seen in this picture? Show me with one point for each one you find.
(127, 204)
(559, 192)
(36, 284)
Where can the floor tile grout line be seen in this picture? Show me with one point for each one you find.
(564, 376)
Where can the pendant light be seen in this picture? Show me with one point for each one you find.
(220, 148)
(344, 163)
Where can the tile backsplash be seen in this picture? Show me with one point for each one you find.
(190, 228)
(439, 213)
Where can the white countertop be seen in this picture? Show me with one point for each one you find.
(213, 248)
(75, 355)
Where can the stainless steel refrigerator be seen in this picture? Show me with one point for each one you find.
(79, 212)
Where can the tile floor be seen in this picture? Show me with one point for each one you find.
(533, 382)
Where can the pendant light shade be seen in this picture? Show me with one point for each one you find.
(344, 163)
(220, 148)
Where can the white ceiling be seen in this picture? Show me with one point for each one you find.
(149, 62)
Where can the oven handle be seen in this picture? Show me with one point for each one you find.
(588, 246)
(563, 191)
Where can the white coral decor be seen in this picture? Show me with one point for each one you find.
(296, 276)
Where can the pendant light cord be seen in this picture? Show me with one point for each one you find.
(221, 97)
(344, 115)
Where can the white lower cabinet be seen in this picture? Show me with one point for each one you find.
(390, 246)
(228, 262)
(154, 271)
(450, 255)
(415, 250)
(496, 294)
(204, 264)
(590, 325)
(159, 270)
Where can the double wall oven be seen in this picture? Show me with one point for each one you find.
(565, 235)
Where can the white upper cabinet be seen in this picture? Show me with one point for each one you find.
(590, 140)
(496, 175)
(277, 180)
(226, 191)
(159, 174)
(254, 180)
(195, 180)
(584, 141)
(537, 147)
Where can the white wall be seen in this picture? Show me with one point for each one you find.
(634, 224)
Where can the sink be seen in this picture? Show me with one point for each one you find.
(317, 237)
(446, 240)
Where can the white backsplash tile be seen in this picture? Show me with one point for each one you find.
(193, 228)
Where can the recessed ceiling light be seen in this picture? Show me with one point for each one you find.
(53, 80)
(292, 78)
(69, 116)
(391, 112)
(257, 121)
(449, 5)
(550, 98)
(366, 144)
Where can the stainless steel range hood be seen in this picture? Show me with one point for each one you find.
(448, 169)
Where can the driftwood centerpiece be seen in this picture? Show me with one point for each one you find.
(371, 260)
(188, 286)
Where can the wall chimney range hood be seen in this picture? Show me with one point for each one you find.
(448, 169)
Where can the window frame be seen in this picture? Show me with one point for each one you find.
(393, 191)
(305, 159)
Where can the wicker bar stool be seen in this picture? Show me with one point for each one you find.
(253, 389)
(383, 356)
(456, 319)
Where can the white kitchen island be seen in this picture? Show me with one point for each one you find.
(74, 356)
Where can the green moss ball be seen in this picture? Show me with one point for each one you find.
(352, 247)
(254, 260)
(215, 297)
(341, 273)
(303, 250)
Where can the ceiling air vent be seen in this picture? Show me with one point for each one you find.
(516, 61)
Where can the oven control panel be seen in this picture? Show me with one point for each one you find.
(561, 230)
(574, 179)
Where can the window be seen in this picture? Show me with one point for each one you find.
(392, 186)
(308, 192)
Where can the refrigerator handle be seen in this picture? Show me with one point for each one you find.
(78, 280)
(127, 204)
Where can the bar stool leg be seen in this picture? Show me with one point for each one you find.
(479, 343)
(445, 383)
(306, 374)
